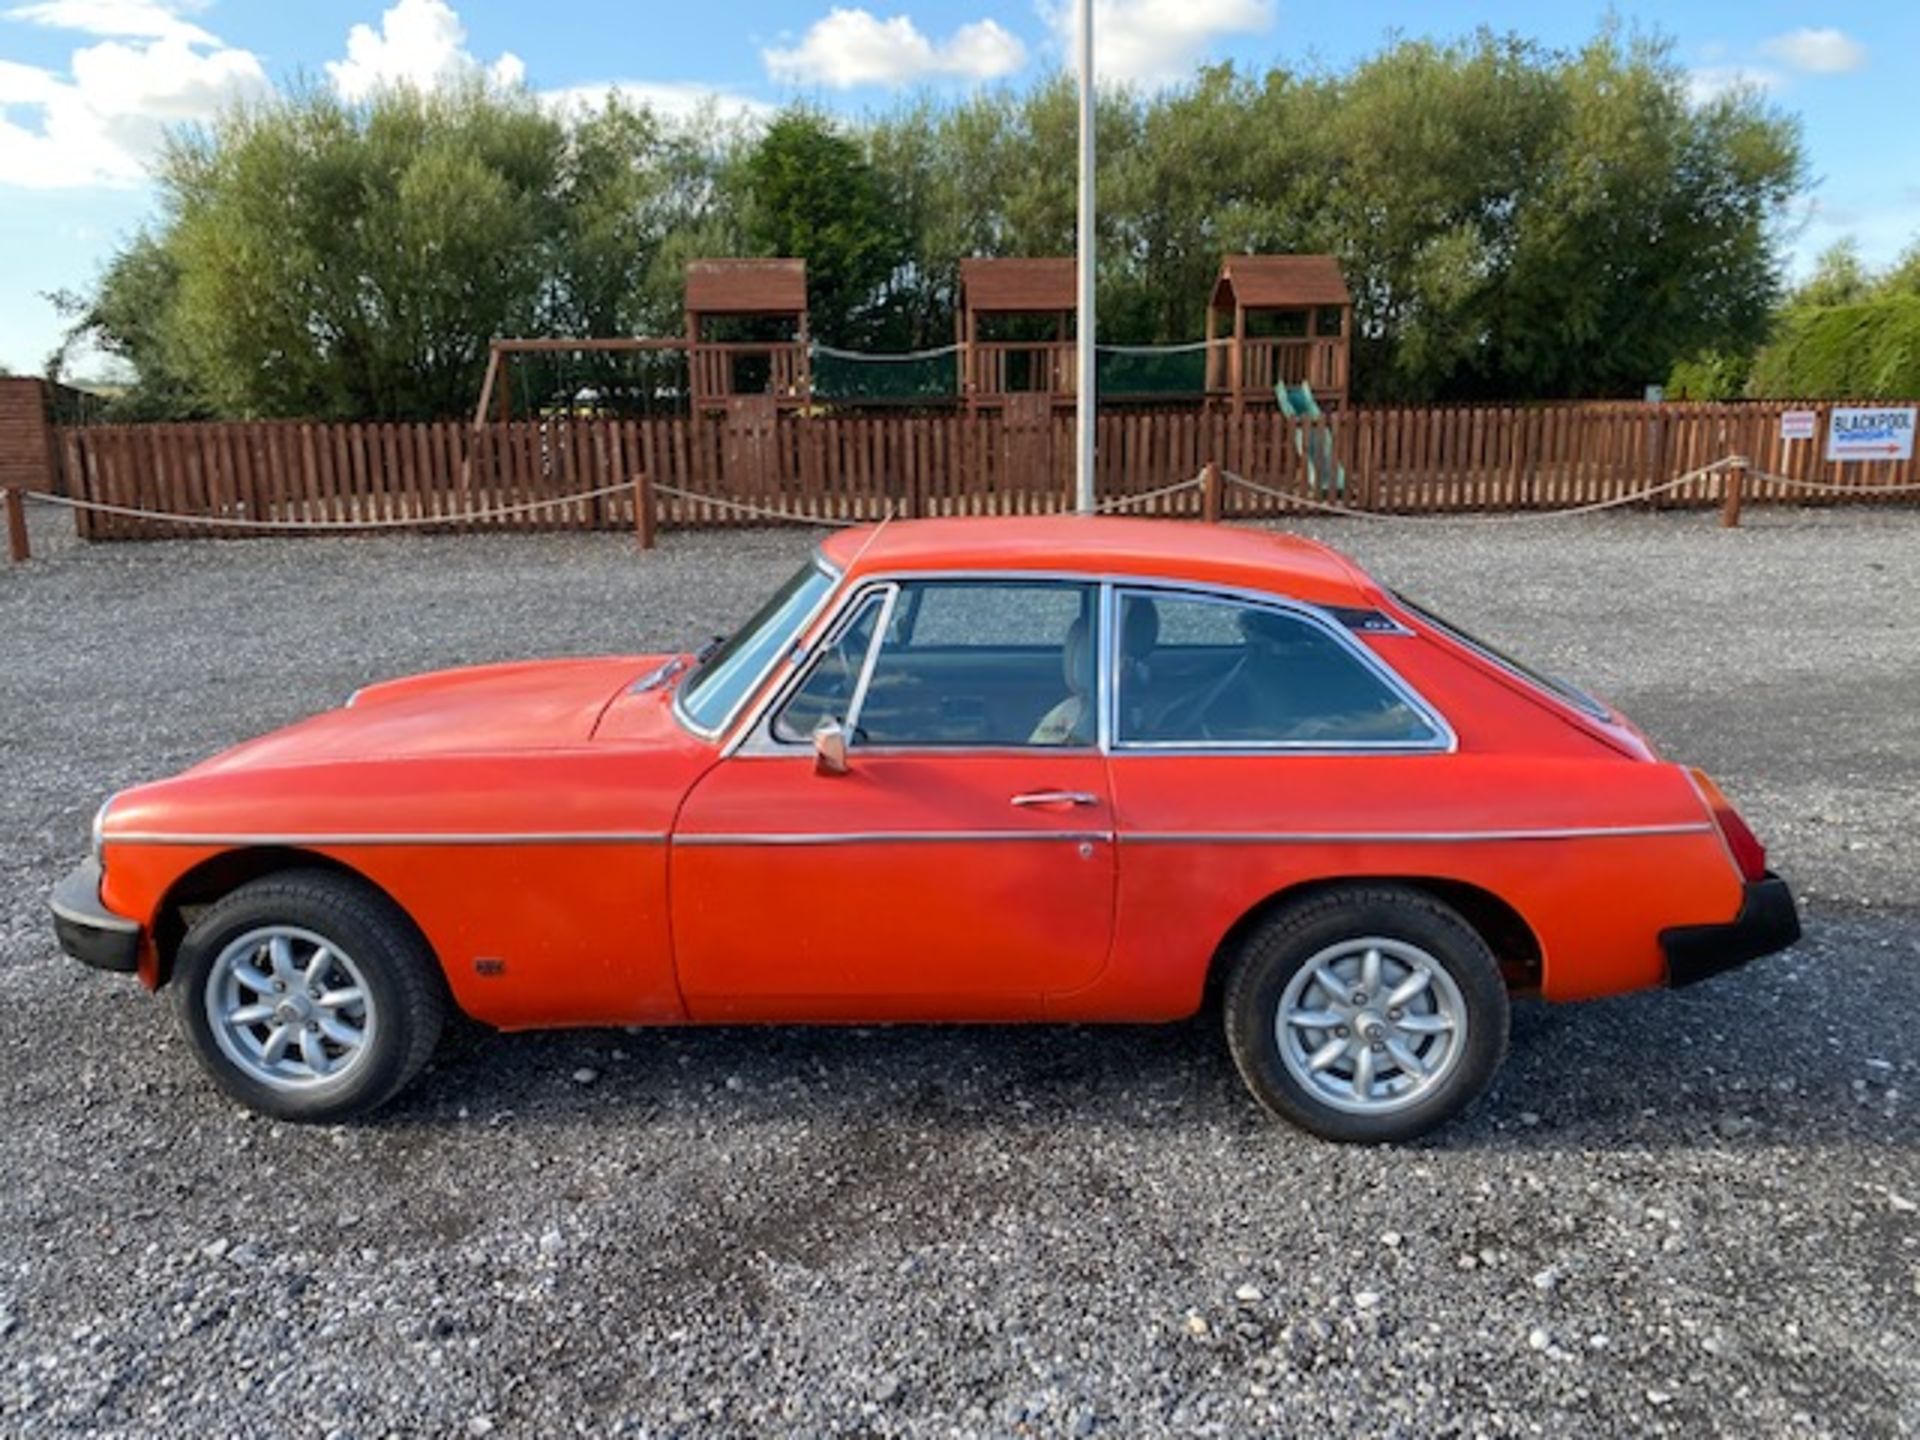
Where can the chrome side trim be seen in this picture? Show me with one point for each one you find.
(1244, 748)
(791, 655)
(764, 748)
(864, 681)
(528, 837)
(891, 837)
(757, 740)
(1106, 674)
(1396, 837)
(752, 737)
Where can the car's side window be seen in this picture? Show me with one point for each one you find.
(827, 692)
(1210, 670)
(983, 662)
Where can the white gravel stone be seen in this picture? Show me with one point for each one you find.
(1012, 1223)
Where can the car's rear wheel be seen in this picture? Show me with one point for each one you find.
(308, 995)
(1366, 1013)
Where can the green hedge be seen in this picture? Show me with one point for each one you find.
(1865, 351)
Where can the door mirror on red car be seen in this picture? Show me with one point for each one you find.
(829, 747)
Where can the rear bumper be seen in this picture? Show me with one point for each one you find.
(1768, 921)
(87, 930)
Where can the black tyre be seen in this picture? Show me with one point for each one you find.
(1369, 1013)
(308, 995)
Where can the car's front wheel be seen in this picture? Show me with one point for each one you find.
(308, 995)
(1366, 1013)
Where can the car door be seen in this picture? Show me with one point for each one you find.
(962, 865)
(1248, 737)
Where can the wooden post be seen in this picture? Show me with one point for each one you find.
(1736, 475)
(1237, 359)
(1210, 370)
(486, 385)
(18, 548)
(643, 516)
(806, 362)
(1210, 493)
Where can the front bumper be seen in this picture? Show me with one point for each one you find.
(88, 931)
(1768, 921)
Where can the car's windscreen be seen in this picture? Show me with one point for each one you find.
(1560, 689)
(714, 691)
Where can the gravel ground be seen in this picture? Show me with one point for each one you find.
(1689, 1213)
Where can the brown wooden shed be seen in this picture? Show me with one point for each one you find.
(1291, 323)
(1033, 289)
(727, 368)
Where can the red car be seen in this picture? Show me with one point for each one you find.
(955, 770)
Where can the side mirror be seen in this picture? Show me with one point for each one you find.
(829, 747)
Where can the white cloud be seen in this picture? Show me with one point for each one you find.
(101, 122)
(27, 84)
(1707, 83)
(1817, 51)
(122, 19)
(1155, 42)
(675, 99)
(855, 47)
(420, 43)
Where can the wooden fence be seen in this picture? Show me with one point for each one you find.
(703, 471)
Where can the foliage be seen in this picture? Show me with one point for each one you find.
(1514, 221)
(1710, 375)
(1868, 350)
(1846, 333)
(810, 191)
(332, 260)
(1839, 277)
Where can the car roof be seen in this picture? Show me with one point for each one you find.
(1181, 550)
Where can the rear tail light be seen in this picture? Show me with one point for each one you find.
(1748, 853)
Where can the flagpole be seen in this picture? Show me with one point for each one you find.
(1084, 397)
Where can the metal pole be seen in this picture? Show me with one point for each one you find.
(1084, 398)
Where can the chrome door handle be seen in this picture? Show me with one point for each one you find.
(1055, 797)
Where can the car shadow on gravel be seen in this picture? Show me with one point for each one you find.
(1797, 1050)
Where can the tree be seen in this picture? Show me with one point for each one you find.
(1839, 277)
(1846, 333)
(811, 192)
(129, 318)
(1514, 221)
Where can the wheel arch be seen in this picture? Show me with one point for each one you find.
(1514, 943)
(222, 874)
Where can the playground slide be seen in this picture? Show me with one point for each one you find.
(1315, 444)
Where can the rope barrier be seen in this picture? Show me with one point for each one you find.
(1122, 502)
(1727, 463)
(1116, 503)
(741, 507)
(1824, 488)
(239, 522)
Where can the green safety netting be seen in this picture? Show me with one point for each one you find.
(850, 378)
(933, 375)
(1124, 371)
(627, 383)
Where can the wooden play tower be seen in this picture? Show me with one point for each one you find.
(1015, 328)
(1289, 321)
(747, 340)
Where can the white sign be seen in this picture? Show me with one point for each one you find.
(1799, 424)
(1866, 433)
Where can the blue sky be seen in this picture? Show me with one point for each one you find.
(87, 87)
